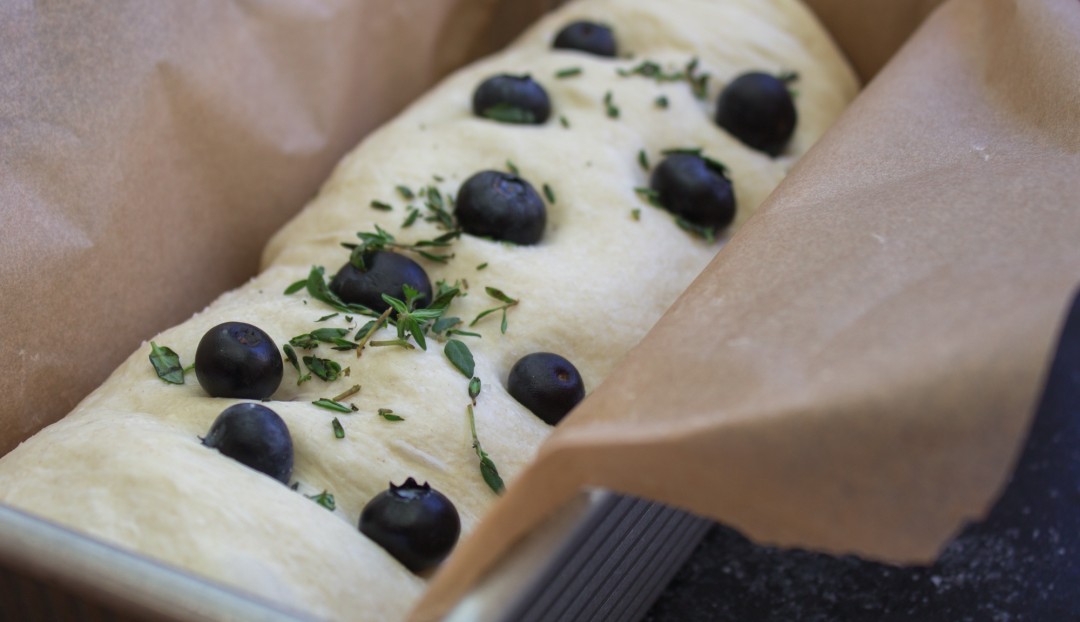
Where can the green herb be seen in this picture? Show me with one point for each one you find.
(706, 233)
(381, 239)
(661, 101)
(460, 356)
(389, 415)
(649, 69)
(291, 355)
(563, 121)
(166, 363)
(635, 213)
(335, 336)
(332, 315)
(304, 342)
(437, 210)
(512, 168)
(650, 195)
(438, 178)
(339, 432)
(500, 296)
(643, 159)
(414, 321)
(609, 105)
(508, 113)
(788, 76)
(463, 333)
(401, 343)
(699, 83)
(482, 266)
(353, 390)
(549, 193)
(379, 205)
(323, 368)
(569, 72)
(487, 467)
(414, 213)
(295, 287)
(324, 498)
(474, 388)
(335, 406)
(405, 192)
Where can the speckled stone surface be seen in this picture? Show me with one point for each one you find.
(1021, 564)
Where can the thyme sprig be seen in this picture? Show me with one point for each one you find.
(507, 301)
(415, 322)
(381, 239)
(488, 470)
(699, 82)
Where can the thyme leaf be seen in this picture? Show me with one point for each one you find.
(166, 363)
(610, 107)
(323, 368)
(549, 193)
(335, 406)
(295, 287)
(474, 389)
(702, 231)
(388, 415)
(461, 357)
(324, 498)
(339, 432)
(291, 355)
(508, 113)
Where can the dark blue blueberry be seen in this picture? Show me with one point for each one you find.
(384, 273)
(512, 99)
(586, 37)
(416, 524)
(254, 436)
(235, 359)
(694, 188)
(757, 108)
(501, 206)
(547, 384)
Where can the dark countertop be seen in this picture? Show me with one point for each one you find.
(1022, 563)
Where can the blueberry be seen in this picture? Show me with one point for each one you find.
(254, 436)
(586, 37)
(547, 384)
(757, 108)
(235, 359)
(384, 273)
(512, 99)
(416, 524)
(694, 188)
(501, 206)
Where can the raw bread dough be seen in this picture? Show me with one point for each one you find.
(127, 465)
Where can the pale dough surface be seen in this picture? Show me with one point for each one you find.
(127, 465)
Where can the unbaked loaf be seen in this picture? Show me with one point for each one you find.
(127, 465)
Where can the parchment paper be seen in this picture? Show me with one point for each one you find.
(854, 372)
(857, 368)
